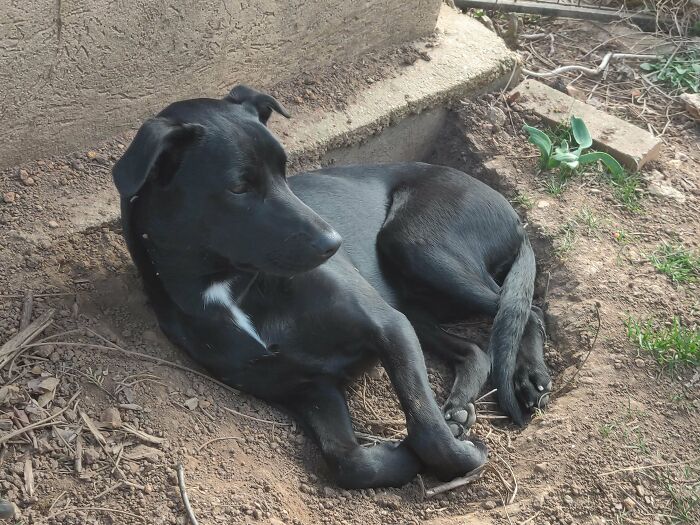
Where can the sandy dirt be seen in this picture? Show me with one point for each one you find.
(615, 446)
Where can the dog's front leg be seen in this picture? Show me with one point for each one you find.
(322, 408)
(428, 433)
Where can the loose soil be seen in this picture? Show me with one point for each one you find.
(593, 457)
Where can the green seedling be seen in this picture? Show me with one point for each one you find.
(565, 156)
(680, 71)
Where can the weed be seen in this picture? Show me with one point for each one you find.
(567, 240)
(524, 200)
(587, 219)
(606, 429)
(555, 185)
(626, 188)
(678, 263)
(671, 345)
(680, 71)
(683, 490)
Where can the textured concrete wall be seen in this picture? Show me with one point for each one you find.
(76, 71)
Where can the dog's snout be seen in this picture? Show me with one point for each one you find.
(327, 244)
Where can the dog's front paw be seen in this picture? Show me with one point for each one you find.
(459, 418)
(533, 384)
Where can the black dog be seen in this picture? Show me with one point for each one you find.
(245, 273)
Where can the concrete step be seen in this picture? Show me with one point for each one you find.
(466, 59)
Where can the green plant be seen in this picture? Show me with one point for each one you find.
(607, 429)
(565, 243)
(671, 345)
(680, 71)
(588, 219)
(678, 263)
(553, 156)
(524, 200)
(626, 188)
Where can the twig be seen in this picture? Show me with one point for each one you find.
(58, 498)
(17, 344)
(487, 394)
(183, 493)
(39, 424)
(139, 355)
(455, 483)
(217, 439)
(645, 467)
(590, 350)
(27, 308)
(267, 421)
(109, 489)
(591, 72)
(79, 453)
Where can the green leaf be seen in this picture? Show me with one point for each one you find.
(581, 133)
(613, 166)
(541, 140)
(646, 66)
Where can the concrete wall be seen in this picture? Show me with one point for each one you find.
(76, 71)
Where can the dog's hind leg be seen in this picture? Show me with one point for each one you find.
(322, 408)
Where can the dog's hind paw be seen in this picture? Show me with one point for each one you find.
(460, 419)
(533, 385)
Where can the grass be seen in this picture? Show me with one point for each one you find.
(678, 263)
(607, 429)
(567, 239)
(588, 220)
(683, 491)
(671, 345)
(626, 188)
(524, 200)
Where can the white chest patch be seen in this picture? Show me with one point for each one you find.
(220, 293)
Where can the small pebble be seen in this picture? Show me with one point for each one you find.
(541, 468)
(568, 500)
(53, 224)
(628, 503)
(488, 505)
(639, 362)
(9, 197)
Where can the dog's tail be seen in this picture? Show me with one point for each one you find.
(508, 326)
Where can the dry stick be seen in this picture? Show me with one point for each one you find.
(97, 509)
(16, 345)
(217, 439)
(487, 394)
(183, 493)
(455, 483)
(645, 467)
(587, 70)
(27, 308)
(590, 350)
(48, 512)
(79, 452)
(146, 357)
(39, 424)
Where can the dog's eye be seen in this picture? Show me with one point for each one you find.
(239, 188)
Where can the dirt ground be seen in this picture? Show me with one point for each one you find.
(619, 443)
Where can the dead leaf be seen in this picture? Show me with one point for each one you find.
(9, 395)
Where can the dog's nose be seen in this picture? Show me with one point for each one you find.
(327, 244)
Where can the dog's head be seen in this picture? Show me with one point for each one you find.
(213, 179)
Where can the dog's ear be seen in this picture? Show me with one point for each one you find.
(261, 104)
(155, 153)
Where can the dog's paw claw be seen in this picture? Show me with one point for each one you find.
(533, 386)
